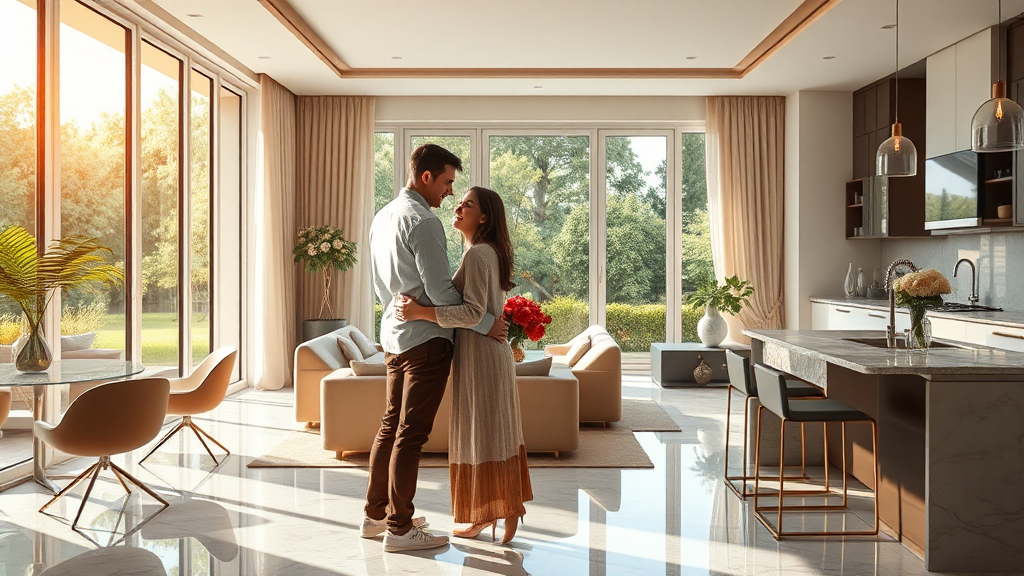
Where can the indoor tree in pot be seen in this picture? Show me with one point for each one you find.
(324, 250)
(729, 298)
(31, 280)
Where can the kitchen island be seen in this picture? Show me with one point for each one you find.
(950, 437)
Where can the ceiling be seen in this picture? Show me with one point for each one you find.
(681, 37)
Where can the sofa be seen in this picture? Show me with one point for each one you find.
(315, 359)
(599, 372)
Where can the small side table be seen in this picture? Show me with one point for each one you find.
(672, 365)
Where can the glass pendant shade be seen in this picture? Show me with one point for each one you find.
(897, 156)
(998, 125)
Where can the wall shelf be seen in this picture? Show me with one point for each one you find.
(996, 180)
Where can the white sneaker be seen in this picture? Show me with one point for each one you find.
(415, 539)
(372, 528)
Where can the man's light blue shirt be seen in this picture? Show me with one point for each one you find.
(409, 255)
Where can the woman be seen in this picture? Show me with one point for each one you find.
(486, 454)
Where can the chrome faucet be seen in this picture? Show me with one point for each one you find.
(973, 298)
(890, 330)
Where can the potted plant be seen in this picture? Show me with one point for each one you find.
(729, 298)
(525, 320)
(324, 250)
(31, 280)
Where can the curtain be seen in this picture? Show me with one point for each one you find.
(335, 187)
(275, 321)
(745, 153)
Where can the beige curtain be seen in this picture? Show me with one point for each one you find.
(275, 321)
(745, 153)
(335, 186)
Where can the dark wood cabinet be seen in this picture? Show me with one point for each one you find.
(901, 212)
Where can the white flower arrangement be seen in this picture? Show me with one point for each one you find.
(324, 249)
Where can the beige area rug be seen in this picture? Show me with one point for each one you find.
(612, 447)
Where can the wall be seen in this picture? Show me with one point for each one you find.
(1001, 275)
(534, 109)
(819, 148)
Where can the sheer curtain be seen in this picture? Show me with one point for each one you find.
(745, 157)
(275, 320)
(335, 186)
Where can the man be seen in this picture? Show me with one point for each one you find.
(409, 257)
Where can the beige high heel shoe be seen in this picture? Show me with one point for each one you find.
(511, 525)
(474, 530)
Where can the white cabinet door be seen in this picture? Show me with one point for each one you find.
(973, 82)
(839, 317)
(996, 336)
(819, 316)
(873, 320)
(949, 329)
(940, 103)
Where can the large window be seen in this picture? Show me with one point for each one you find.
(695, 261)
(200, 174)
(92, 162)
(545, 184)
(383, 192)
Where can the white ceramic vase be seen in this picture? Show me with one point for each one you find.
(712, 328)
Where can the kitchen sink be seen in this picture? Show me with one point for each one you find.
(900, 343)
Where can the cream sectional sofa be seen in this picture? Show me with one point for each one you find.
(315, 359)
(599, 372)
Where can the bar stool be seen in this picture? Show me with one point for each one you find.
(771, 386)
(740, 379)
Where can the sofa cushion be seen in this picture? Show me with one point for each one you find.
(369, 368)
(577, 351)
(349, 349)
(534, 368)
(77, 342)
(366, 347)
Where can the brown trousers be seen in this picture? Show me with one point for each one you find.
(415, 386)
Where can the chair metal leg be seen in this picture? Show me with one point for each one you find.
(745, 493)
(122, 472)
(186, 422)
(164, 440)
(69, 487)
(202, 432)
(88, 491)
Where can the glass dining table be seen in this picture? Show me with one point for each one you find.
(61, 372)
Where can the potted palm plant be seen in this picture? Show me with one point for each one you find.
(31, 280)
(324, 250)
(716, 298)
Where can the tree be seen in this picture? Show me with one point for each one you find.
(383, 169)
(696, 254)
(636, 252)
(694, 184)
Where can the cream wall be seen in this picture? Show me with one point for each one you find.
(540, 109)
(819, 152)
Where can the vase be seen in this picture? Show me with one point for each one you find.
(517, 352)
(712, 328)
(862, 283)
(34, 355)
(850, 286)
(919, 337)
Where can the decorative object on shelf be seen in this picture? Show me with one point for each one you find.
(917, 292)
(862, 283)
(729, 298)
(850, 285)
(998, 124)
(31, 280)
(525, 320)
(702, 373)
(897, 156)
(324, 250)
(1004, 211)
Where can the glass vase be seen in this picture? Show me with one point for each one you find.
(920, 334)
(518, 354)
(34, 355)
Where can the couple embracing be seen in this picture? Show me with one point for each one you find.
(436, 325)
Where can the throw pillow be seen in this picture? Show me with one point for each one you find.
(349, 349)
(534, 367)
(368, 368)
(376, 358)
(577, 351)
(77, 342)
(366, 347)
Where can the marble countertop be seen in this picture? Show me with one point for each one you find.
(835, 347)
(1010, 319)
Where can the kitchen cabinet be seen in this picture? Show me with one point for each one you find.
(995, 336)
(819, 316)
(959, 81)
(940, 124)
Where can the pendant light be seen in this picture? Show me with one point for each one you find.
(998, 125)
(897, 156)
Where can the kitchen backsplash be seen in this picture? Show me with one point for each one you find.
(999, 257)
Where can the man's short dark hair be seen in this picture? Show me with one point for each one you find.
(432, 158)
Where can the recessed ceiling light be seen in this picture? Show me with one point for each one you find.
(195, 15)
(691, 57)
(828, 57)
(264, 57)
(888, 27)
(396, 57)
(538, 86)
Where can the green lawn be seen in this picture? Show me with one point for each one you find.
(159, 337)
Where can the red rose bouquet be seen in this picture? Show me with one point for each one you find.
(525, 320)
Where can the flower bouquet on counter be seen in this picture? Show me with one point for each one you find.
(917, 292)
(525, 320)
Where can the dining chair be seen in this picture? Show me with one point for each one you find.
(197, 393)
(110, 419)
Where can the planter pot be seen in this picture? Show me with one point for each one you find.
(712, 328)
(313, 328)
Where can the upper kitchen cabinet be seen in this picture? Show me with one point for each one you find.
(959, 81)
(874, 111)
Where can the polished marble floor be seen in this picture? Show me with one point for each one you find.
(677, 518)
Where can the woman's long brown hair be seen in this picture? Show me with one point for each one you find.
(494, 231)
